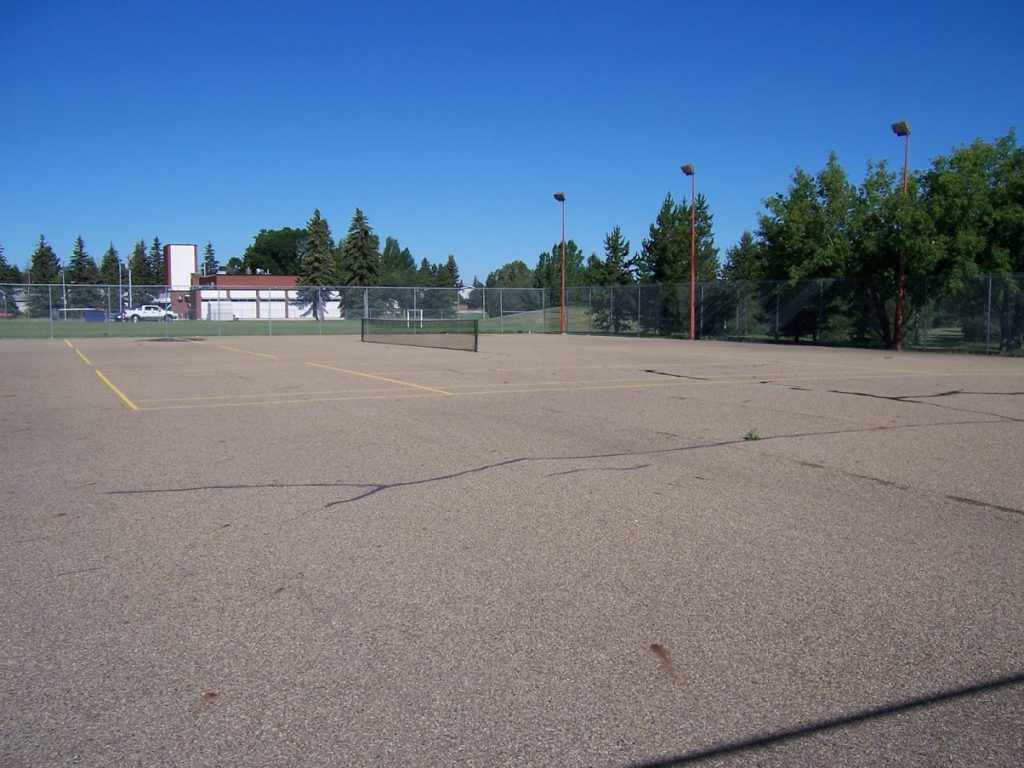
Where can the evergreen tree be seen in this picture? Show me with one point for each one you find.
(397, 267)
(44, 272)
(548, 273)
(426, 273)
(594, 270)
(139, 276)
(744, 259)
(8, 272)
(442, 275)
(157, 269)
(453, 271)
(664, 250)
(318, 268)
(665, 259)
(360, 255)
(614, 310)
(708, 265)
(210, 265)
(617, 264)
(110, 267)
(81, 273)
(82, 269)
(45, 266)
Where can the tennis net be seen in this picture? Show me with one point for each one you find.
(454, 333)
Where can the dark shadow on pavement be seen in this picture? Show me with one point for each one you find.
(821, 726)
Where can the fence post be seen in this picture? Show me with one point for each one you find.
(501, 310)
(638, 310)
(543, 310)
(988, 323)
(778, 299)
(817, 321)
(927, 312)
(49, 307)
(700, 328)
(739, 298)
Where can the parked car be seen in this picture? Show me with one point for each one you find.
(148, 312)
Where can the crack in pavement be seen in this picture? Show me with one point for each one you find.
(599, 469)
(918, 399)
(676, 375)
(905, 487)
(368, 490)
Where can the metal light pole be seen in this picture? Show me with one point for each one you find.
(902, 128)
(689, 171)
(560, 197)
(64, 293)
(129, 268)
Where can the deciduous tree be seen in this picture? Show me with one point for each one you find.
(276, 252)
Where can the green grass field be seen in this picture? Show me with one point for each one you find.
(78, 329)
(578, 321)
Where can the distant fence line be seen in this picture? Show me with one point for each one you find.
(986, 315)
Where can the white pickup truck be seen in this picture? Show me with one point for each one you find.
(148, 312)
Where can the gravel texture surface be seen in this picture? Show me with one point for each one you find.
(559, 551)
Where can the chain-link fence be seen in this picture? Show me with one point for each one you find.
(985, 314)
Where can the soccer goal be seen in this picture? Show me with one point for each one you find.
(414, 317)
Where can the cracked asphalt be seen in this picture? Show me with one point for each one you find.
(563, 551)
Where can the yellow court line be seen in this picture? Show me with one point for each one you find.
(381, 378)
(543, 388)
(246, 351)
(270, 396)
(117, 391)
(208, 406)
(77, 352)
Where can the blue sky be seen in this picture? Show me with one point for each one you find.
(450, 124)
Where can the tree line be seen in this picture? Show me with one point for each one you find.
(962, 217)
(310, 253)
